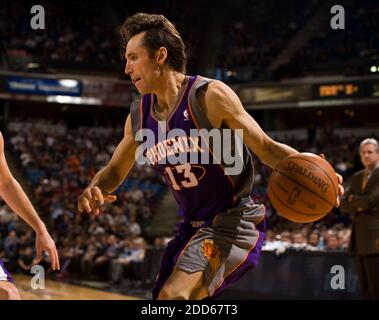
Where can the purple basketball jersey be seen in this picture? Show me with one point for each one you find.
(201, 190)
(4, 274)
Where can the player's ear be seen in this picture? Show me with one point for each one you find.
(161, 56)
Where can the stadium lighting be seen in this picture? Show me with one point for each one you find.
(373, 69)
(63, 99)
(74, 100)
(32, 65)
(68, 83)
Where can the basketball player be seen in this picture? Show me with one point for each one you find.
(17, 200)
(222, 230)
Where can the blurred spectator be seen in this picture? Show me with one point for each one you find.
(11, 243)
(314, 239)
(110, 252)
(25, 260)
(129, 261)
(134, 228)
(332, 242)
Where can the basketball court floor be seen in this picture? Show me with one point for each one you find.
(55, 290)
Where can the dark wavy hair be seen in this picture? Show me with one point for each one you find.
(159, 32)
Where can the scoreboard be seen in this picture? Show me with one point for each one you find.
(310, 93)
(337, 90)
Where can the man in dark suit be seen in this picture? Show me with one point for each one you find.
(362, 199)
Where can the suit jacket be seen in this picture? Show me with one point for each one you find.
(365, 209)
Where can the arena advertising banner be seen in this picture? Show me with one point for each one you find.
(113, 92)
(110, 92)
(43, 86)
(274, 93)
(82, 90)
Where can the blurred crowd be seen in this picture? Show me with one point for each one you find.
(316, 238)
(256, 32)
(68, 36)
(84, 34)
(347, 52)
(239, 41)
(60, 162)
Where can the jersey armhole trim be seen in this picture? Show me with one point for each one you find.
(198, 128)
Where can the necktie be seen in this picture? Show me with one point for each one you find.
(364, 181)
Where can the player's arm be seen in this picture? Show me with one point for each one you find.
(224, 107)
(17, 200)
(112, 175)
(14, 196)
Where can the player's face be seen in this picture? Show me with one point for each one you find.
(369, 155)
(139, 66)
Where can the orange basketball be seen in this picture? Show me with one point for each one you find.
(303, 188)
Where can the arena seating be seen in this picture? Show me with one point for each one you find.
(59, 162)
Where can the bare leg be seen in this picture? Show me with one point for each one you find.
(8, 291)
(183, 286)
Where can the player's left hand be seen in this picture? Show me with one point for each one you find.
(341, 190)
(45, 243)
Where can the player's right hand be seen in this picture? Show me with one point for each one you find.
(93, 198)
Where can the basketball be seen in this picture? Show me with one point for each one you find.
(303, 188)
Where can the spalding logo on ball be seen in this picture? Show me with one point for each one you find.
(303, 188)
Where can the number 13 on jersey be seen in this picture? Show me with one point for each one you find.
(189, 180)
